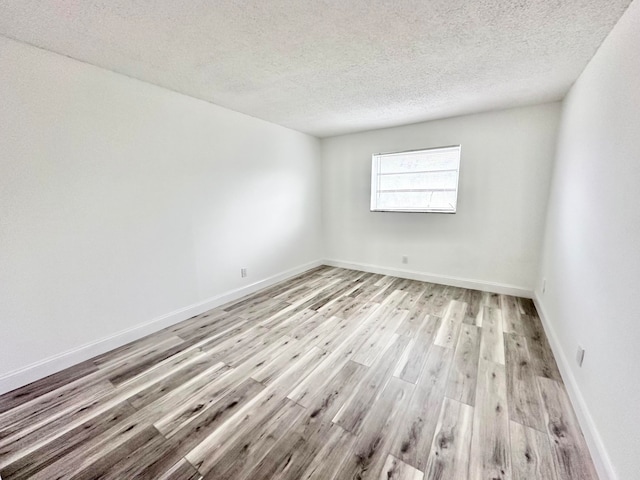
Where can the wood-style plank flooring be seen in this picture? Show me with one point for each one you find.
(334, 374)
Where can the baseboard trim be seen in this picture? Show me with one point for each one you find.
(599, 454)
(35, 371)
(435, 278)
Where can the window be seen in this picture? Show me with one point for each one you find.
(416, 181)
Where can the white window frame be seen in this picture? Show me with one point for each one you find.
(375, 176)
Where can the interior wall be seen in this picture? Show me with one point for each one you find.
(496, 235)
(121, 201)
(591, 259)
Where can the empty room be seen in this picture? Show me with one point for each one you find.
(324, 240)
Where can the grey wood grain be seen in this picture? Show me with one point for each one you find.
(238, 457)
(352, 414)
(380, 429)
(449, 453)
(269, 386)
(327, 462)
(544, 364)
(490, 449)
(182, 470)
(396, 469)
(523, 395)
(511, 315)
(570, 453)
(371, 348)
(491, 341)
(416, 431)
(453, 318)
(530, 454)
(464, 371)
(410, 366)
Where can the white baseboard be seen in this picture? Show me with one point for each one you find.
(599, 454)
(48, 366)
(434, 278)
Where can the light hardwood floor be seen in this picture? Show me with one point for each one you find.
(335, 374)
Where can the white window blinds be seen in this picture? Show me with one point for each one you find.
(416, 181)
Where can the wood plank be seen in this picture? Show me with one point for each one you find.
(310, 385)
(99, 465)
(490, 452)
(237, 458)
(530, 454)
(151, 460)
(414, 293)
(222, 388)
(370, 350)
(396, 469)
(474, 303)
(418, 426)
(177, 374)
(47, 452)
(36, 390)
(437, 300)
(269, 370)
(491, 340)
(328, 401)
(352, 414)
(544, 364)
(266, 408)
(18, 423)
(378, 432)
(527, 307)
(490, 299)
(206, 412)
(305, 439)
(182, 470)
(569, 449)
(208, 324)
(292, 454)
(112, 445)
(410, 366)
(362, 321)
(137, 347)
(327, 462)
(464, 371)
(450, 327)
(257, 347)
(449, 455)
(523, 396)
(147, 360)
(18, 445)
(415, 318)
(289, 457)
(306, 327)
(511, 315)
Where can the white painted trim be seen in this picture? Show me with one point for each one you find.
(599, 454)
(435, 278)
(56, 363)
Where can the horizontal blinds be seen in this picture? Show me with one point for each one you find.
(417, 180)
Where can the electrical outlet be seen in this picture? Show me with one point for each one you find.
(243, 272)
(405, 259)
(544, 285)
(580, 356)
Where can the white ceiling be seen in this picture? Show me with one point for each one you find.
(328, 67)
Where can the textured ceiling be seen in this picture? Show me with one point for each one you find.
(327, 67)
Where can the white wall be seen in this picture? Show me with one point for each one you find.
(591, 256)
(496, 235)
(121, 202)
